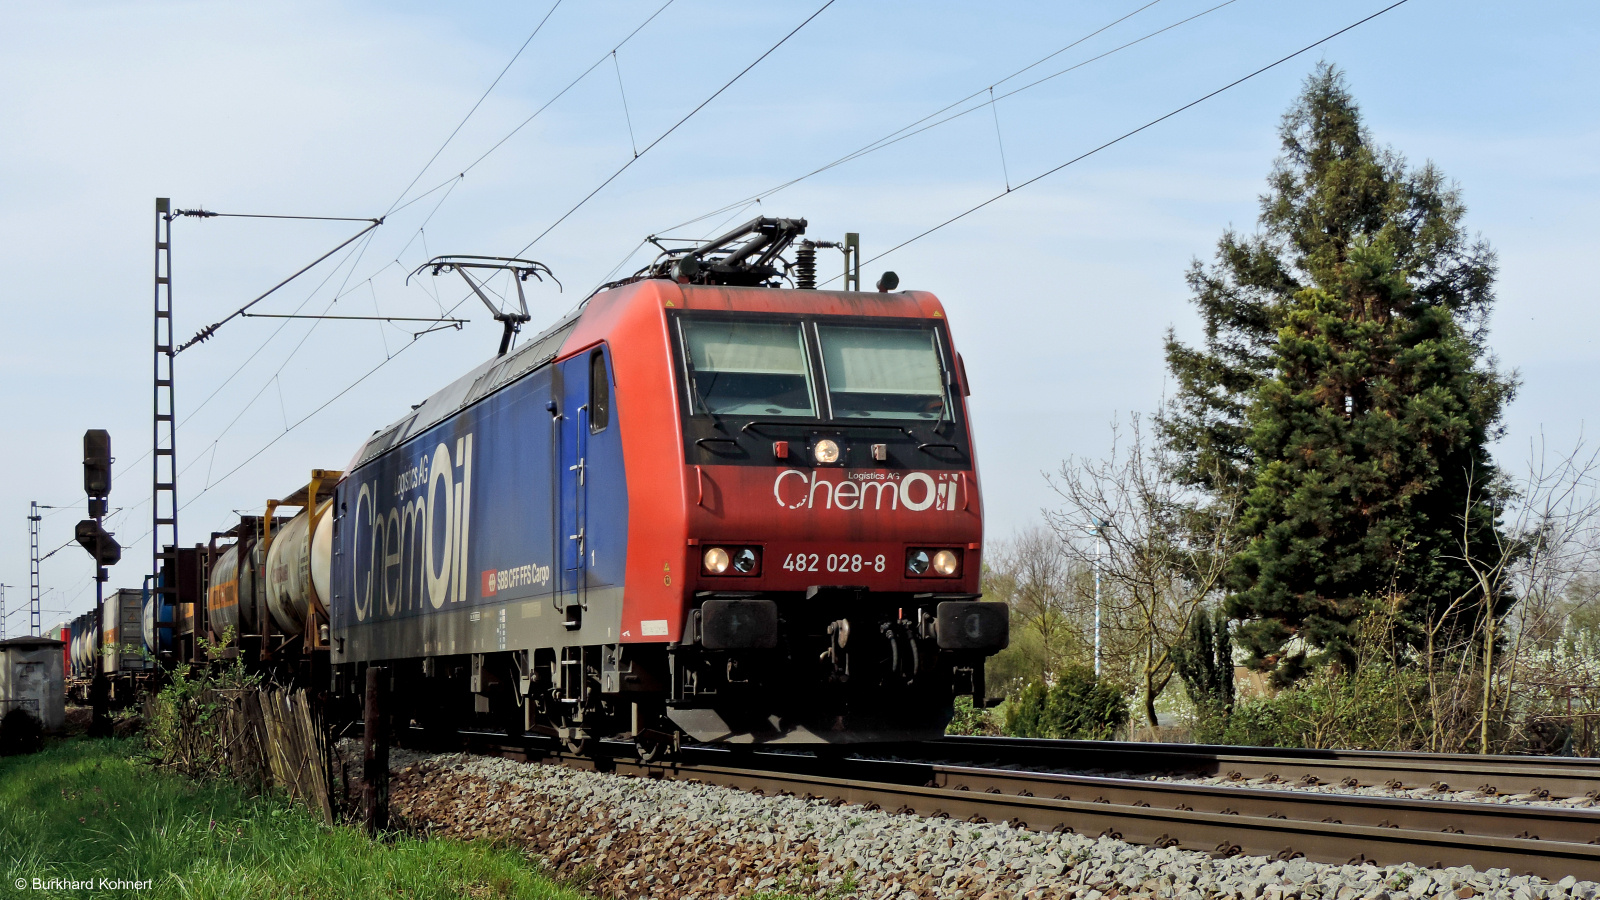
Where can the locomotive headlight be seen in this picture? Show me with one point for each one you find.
(716, 561)
(825, 452)
(945, 563)
(917, 562)
(744, 560)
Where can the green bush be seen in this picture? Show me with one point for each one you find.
(1078, 705)
(1374, 707)
(1255, 722)
(186, 722)
(971, 720)
(1025, 711)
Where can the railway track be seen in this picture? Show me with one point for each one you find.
(1551, 843)
(1536, 776)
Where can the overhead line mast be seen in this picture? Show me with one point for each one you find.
(33, 557)
(164, 430)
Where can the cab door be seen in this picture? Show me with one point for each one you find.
(587, 392)
(572, 479)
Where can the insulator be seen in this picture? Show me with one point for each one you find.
(805, 264)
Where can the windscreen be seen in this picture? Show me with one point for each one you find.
(748, 368)
(882, 373)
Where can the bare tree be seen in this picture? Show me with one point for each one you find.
(1548, 540)
(1166, 548)
(1033, 573)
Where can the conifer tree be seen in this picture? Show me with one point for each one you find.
(1204, 661)
(1343, 390)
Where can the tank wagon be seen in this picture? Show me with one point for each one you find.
(700, 505)
(82, 634)
(157, 626)
(259, 585)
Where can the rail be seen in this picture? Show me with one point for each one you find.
(1537, 775)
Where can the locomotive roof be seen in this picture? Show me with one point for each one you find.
(500, 371)
(478, 383)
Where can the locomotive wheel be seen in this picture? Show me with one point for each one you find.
(653, 746)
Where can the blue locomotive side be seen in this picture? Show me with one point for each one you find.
(501, 527)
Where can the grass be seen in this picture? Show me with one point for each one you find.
(85, 809)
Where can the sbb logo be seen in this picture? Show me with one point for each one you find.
(915, 491)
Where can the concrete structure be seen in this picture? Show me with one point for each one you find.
(31, 679)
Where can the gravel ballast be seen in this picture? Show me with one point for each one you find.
(631, 837)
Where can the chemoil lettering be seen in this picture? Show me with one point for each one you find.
(410, 544)
(915, 491)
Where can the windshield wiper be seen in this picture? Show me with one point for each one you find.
(761, 423)
(694, 391)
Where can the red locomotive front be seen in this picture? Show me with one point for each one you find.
(837, 526)
(826, 433)
(828, 513)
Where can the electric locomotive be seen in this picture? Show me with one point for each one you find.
(699, 505)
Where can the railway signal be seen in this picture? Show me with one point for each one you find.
(99, 542)
(91, 533)
(97, 466)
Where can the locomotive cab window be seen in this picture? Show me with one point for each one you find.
(877, 372)
(747, 368)
(599, 393)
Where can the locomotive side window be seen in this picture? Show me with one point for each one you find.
(748, 368)
(882, 373)
(599, 393)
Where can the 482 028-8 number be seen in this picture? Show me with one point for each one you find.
(834, 562)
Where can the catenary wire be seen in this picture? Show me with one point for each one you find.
(189, 417)
(296, 349)
(206, 332)
(702, 105)
(1125, 135)
(302, 420)
(307, 417)
(924, 124)
(558, 95)
(451, 183)
(1005, 170)
(627, 117)
(207, 214)
(459, 125)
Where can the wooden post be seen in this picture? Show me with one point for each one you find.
(375, 755)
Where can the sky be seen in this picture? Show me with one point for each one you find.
(1059, 294)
